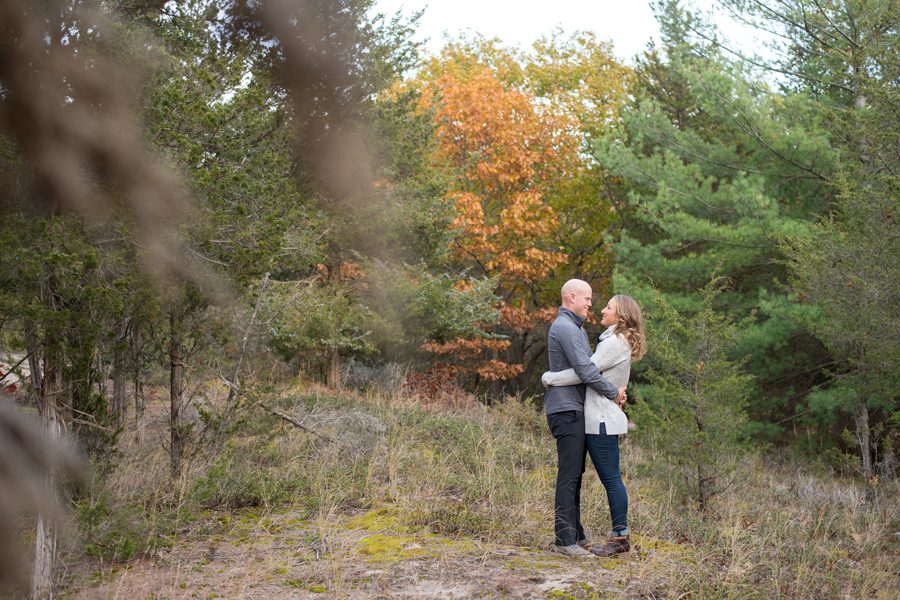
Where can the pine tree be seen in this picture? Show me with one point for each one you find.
(717, 171)
(693, 406)
(846, 57)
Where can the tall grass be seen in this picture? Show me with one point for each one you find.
(487, 474)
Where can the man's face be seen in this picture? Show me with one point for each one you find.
(581, 303)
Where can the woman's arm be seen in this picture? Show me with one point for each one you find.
(559, 378)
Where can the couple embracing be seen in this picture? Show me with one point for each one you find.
(583, 402)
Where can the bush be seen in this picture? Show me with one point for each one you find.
(692, 408)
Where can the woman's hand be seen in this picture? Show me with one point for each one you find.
(622, 397)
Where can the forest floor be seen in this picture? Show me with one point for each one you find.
(279, 555)
(392, 499)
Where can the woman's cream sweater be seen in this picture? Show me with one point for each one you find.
(613, 359)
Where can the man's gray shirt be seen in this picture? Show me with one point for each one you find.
(568, 348)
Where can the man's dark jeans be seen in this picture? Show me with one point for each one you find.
(567, 428)
(604, 451)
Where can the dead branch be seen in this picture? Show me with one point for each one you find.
(287, 417)
(232, 391)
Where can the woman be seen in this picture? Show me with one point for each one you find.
(604, 421)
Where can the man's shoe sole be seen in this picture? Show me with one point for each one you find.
(587, 554)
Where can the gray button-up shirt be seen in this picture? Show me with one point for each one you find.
(568, 348)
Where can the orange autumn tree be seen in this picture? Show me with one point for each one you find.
(515, 133)
(503, 150)
(578, 73)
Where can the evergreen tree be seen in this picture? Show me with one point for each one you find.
(693, 406)
(717, 172)
(846, 56)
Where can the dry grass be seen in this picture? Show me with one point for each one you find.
(405, 501)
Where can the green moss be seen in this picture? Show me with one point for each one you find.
(379, 519)
(198, 566)
(389, 547)
(657, 545)
(380, 547)
(297, 521)
(610, 564)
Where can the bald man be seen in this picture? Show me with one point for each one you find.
(568, 348)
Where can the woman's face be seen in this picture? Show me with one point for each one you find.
(609, 316)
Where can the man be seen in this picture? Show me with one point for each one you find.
(568, 348)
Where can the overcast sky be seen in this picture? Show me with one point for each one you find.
(629, 24)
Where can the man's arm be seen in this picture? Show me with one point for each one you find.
(574, 347)
(609, 353)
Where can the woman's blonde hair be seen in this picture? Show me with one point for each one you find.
(631, 324)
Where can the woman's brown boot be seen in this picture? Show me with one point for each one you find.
(613, 547)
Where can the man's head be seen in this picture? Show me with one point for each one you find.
(576, 296)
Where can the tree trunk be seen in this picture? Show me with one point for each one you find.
(534, 346)
(176, 388)
(44, 553)
(139, 399)
(45, 534)
(862, 433)
(701, 488)
(102, 375)
(333, 374)
(703, 492)
(863, 436)
(35, 365)
(494, 389)
(229, 402)
(118, 377)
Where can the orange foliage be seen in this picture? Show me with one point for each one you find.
(503, 150)
(436, 388)
(498, 370)
(505, 153)
(469, 354)
(466, 347)
(519, 318)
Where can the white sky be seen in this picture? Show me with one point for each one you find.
(629, 24)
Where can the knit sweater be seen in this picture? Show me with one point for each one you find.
(568, 348)
(613, 360)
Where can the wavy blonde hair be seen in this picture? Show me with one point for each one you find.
(630, 324)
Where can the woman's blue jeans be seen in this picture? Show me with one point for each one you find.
(604, 451)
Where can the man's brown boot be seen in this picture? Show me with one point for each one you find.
(613, 547)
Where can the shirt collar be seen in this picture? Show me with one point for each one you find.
(608, 332)
(565, 311)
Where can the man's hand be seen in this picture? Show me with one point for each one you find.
(621, 398)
